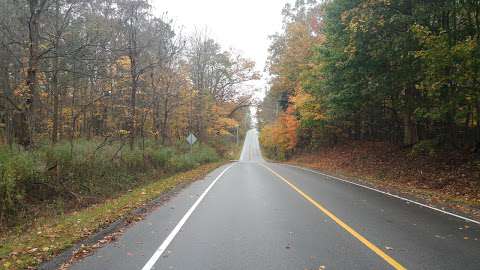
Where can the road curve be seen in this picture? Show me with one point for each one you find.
(253, 214)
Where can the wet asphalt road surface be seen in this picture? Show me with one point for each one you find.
(258, 215)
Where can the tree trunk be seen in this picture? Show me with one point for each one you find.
(133, 97)
(22, 129)
(55, 108)
(410, 131)
(478, 124)
(165, 119)
(30, 115)
(55, 75)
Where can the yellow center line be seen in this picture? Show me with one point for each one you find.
(378, 251)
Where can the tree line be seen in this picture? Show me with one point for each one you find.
(405, 72)
(74, 69)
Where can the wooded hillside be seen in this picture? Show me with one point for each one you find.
(75, 68)
(94, 94)
(405, 72)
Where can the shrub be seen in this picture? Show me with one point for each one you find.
(425, 148)
(205, 154)
(160, 157)
(16, 172)
(200, 154)
(181, 163)
(133, 159)
(59, 176)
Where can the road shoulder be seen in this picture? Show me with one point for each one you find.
(428, 197)
(53, 242)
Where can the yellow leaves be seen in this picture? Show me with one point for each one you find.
(21, 90)
(281, 135)
(44, 95)
(306, 105)
(66, 110)
(123, 62)
(49, 123)
(7, 265)
(222, 126)
(300, 98)
(228, 122)
(42, 78)
(290, 125)
(290, 58)
(381, 21)
(350, 49)
(221, 123)
(43, 45)
(354, 26)
(123, 132)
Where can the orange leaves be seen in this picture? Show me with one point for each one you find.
(289, 125)
(21, 89)
(280, 137)
(289, 54)
(221, 125)
(124, 62)
(306, 105)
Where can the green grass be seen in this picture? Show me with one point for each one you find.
(54, 196)
(234, 152)
(49, 236)
(52, 179)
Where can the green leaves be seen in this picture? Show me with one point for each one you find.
(402, 71)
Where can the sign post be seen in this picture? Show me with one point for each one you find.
(191, 139)
(236, 135)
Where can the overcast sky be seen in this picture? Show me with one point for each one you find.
(243, 25)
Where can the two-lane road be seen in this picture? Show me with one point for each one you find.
(257, 215)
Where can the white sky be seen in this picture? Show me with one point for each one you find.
(243, 25)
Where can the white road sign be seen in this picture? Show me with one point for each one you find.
(191, 139)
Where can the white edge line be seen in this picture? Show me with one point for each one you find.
(386, 193)
(179, 225)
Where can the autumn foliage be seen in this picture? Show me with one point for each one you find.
(402, 72)
(95, 93)
(385, 91)
(279, 138)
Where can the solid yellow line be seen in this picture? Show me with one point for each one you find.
(378, 251)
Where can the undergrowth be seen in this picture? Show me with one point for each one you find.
(47, 237)
(65, 176)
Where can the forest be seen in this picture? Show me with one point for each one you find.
(95, 93)
(402, 72)
(383, 93)
(97, 98)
